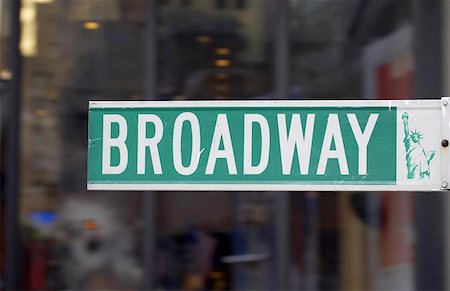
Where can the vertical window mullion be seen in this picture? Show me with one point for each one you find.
(149, 198)
(281, 83)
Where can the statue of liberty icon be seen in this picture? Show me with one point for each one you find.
(417, 159)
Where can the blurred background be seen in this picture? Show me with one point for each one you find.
(56, 55)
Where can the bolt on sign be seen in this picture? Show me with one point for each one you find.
(269, 145)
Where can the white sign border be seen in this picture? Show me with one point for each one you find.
(263, 187)
(415, 103)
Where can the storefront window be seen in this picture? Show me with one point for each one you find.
(75, 51)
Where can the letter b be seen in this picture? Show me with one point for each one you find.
(118, 142)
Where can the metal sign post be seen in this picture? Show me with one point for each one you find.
(269, 145)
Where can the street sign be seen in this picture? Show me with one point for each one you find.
(269, 145)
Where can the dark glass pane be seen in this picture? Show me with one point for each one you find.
(241, 4)
(220, 4)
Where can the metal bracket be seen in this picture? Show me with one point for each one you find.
(445, 148)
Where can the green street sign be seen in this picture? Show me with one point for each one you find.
(266, 145)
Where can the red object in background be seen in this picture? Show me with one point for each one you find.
(396, 232)
(396, 238)
(395, 78)
(36, 269)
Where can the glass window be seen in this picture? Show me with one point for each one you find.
(352, 50)
(210, 51)
(75, 51)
